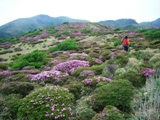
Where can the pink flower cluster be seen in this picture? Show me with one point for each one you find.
(70, 66)
(147, 71)
(49, 75)
(87, 73)
(96, 60)
(96, 80)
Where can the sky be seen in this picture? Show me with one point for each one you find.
(92, 10)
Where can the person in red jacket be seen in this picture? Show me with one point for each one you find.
(125, 42)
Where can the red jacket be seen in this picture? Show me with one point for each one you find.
(125, 42)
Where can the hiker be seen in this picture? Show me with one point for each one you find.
(125, 42)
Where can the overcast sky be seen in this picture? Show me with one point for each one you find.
(92, 10)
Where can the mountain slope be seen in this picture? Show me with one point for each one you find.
(23, 25)
(119, 23)
(154, 23)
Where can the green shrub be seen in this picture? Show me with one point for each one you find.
(3, 66)
(22, 88)
(118, 93)
(154, 61)
(20, 77)
(9, 106)
(97, 69)
(83, 113)
(34, 58)
(75, 89)
(117, 29)
(153, 34)
(77, 71)
(65, 33)
(94, 61)
(109, 113)
(135, 78)
(120, 60)
(131, 44)
(133, 64)
(117, 42)
(58, 35)
(68, 44)
(47, 103)
(86, 31)
(53, 31)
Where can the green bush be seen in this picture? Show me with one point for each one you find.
(22, 88)
(82, 110)
(109, 113)
(53, 31)
(58, 35)
(47, 103)
(120, 60)
(20, 77)
(154, 61)
(117, 42)
(86, 31)
(118, 93)
(135, 78)
(65, 33)
(3, 66)
(35, 58)
(97, 69)
(153, 34)
(83, 113)
(75, 89)
(68, 44)
(117, 29)
(9, 106)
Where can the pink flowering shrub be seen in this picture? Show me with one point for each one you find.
(50, 76)
(147, 71)
(95, 80)
(86, 73)
(71, 65)
(47, 103)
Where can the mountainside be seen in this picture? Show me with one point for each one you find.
(154, 23)
(24, 25)
(119, 23)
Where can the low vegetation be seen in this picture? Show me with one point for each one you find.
(79, 71)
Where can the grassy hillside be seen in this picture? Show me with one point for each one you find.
(79, 71)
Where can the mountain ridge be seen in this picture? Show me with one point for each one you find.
(23, 25)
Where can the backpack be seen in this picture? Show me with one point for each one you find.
(125, 42)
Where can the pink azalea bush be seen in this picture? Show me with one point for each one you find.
(70, 66)
(147, 71)
(47, 103)
(49, 76)
(95, 80)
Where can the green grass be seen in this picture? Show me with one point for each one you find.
(27, 48)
